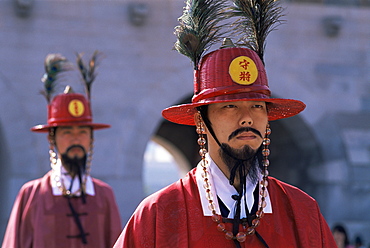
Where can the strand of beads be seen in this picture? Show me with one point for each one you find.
(53, 164)
(264, 182)
(56, 177)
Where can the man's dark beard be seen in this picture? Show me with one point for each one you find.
(242, 161)
(75, 165)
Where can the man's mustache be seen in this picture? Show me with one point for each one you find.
(244, 129)
(75, 146)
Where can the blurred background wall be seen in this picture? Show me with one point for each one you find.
(320, 56)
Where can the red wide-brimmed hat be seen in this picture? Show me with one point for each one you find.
(69, 109)
(228, 75)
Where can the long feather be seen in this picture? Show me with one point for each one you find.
(256, 19)
(54, 64)
(88, 72)
(200, 27)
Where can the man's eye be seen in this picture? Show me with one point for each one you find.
(258, 106)
(230, 106)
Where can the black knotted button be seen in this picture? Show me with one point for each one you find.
(235, 197)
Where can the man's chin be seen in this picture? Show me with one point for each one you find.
(244, 152)
(76, 150)
(75, 164)
(245, 147)
(240, 144)
(75, 154)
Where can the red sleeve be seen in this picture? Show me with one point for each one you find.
(140, 229)
(18, 225)
(310, 226)
(112, 220)
(326, 234)
(114, 225)
(159, 221)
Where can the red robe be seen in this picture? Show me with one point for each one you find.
(173, 217)
(41, 220)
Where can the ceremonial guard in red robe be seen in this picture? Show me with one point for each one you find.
(229, 199)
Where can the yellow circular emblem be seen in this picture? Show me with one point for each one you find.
(243, 70)
(76, 108)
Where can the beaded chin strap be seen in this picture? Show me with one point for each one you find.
(250, 230)
(53, 165)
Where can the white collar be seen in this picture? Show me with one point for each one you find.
(220, 187)
(59, 171)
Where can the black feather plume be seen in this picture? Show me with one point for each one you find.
(88, 72)
(257, 18)
(54, 64)
(200, 27)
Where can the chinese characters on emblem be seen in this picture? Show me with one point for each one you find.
(244, 75)
(76, 108)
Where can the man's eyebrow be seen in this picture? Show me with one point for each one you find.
(83, 127)
(66, 127)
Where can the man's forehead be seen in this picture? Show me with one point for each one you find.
(239, 102)
(74, 127)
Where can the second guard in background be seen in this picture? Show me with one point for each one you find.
(66, 207)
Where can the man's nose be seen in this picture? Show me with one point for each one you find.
(246, 119)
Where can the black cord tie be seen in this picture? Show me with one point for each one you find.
(83, 196)
(75, 215)
(250, 215)
(261, 239)
(77, 220)
(237, 219)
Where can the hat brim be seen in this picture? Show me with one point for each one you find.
(45, 128)
(277, 109)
